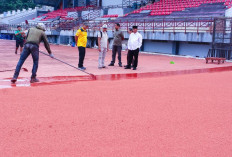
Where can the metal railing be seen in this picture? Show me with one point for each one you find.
(91, 15)
(173, 25)
(139, 3)
(220, 53)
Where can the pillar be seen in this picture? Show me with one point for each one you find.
(175, 47)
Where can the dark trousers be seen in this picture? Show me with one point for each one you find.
(114, 52)
(128, 58)
(32, 49)
(133, 54)
(81, 56)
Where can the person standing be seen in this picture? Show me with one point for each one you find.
(103, 46)
(129, 32)
(134, 44)
(19, 35)
(117, 45)
(81, 40)
(34, 37)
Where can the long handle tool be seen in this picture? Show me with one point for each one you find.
(92, 75)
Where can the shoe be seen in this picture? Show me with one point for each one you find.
(82, 68)
(120, 65)
(134, 68)
(34, 80)
(111, 64)
(13, 80)
(127, 67)
(104, 67)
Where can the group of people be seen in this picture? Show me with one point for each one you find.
(37, 34)
(134, 44)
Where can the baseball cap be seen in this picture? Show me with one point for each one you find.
(104, 26)
(42, 25)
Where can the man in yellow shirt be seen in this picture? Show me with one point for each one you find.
(81, 40)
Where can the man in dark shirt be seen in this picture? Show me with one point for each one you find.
(117, 45)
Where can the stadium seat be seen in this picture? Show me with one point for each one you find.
(167, 7)
(61, 13)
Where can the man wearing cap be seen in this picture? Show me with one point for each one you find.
(103, 46)
(134, 44)
(117, 45)
(34, 37)
(81, 40)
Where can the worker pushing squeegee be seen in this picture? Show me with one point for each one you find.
(34, 36)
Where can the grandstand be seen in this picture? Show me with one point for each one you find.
(14, 17)
(168, 26)
(80, 102)
(167, 7)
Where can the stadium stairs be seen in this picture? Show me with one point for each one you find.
(16, 17)
(67, 14)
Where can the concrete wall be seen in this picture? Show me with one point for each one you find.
(159, 47)
(194, 49)
(118, 11)
(52, 39)
(228, 12)
(111, 2)
(84, 13)
(127, 10)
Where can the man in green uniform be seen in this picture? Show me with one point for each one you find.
(19, 35)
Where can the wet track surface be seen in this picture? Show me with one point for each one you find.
(160, 110)
(53, 72)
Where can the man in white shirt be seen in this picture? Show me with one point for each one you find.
(129, 32)
(103, 46)
(134, 44)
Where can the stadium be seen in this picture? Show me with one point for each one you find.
(153, 78)
(171, 27)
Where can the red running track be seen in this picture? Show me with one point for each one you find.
(53, 72)
(173, 116)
